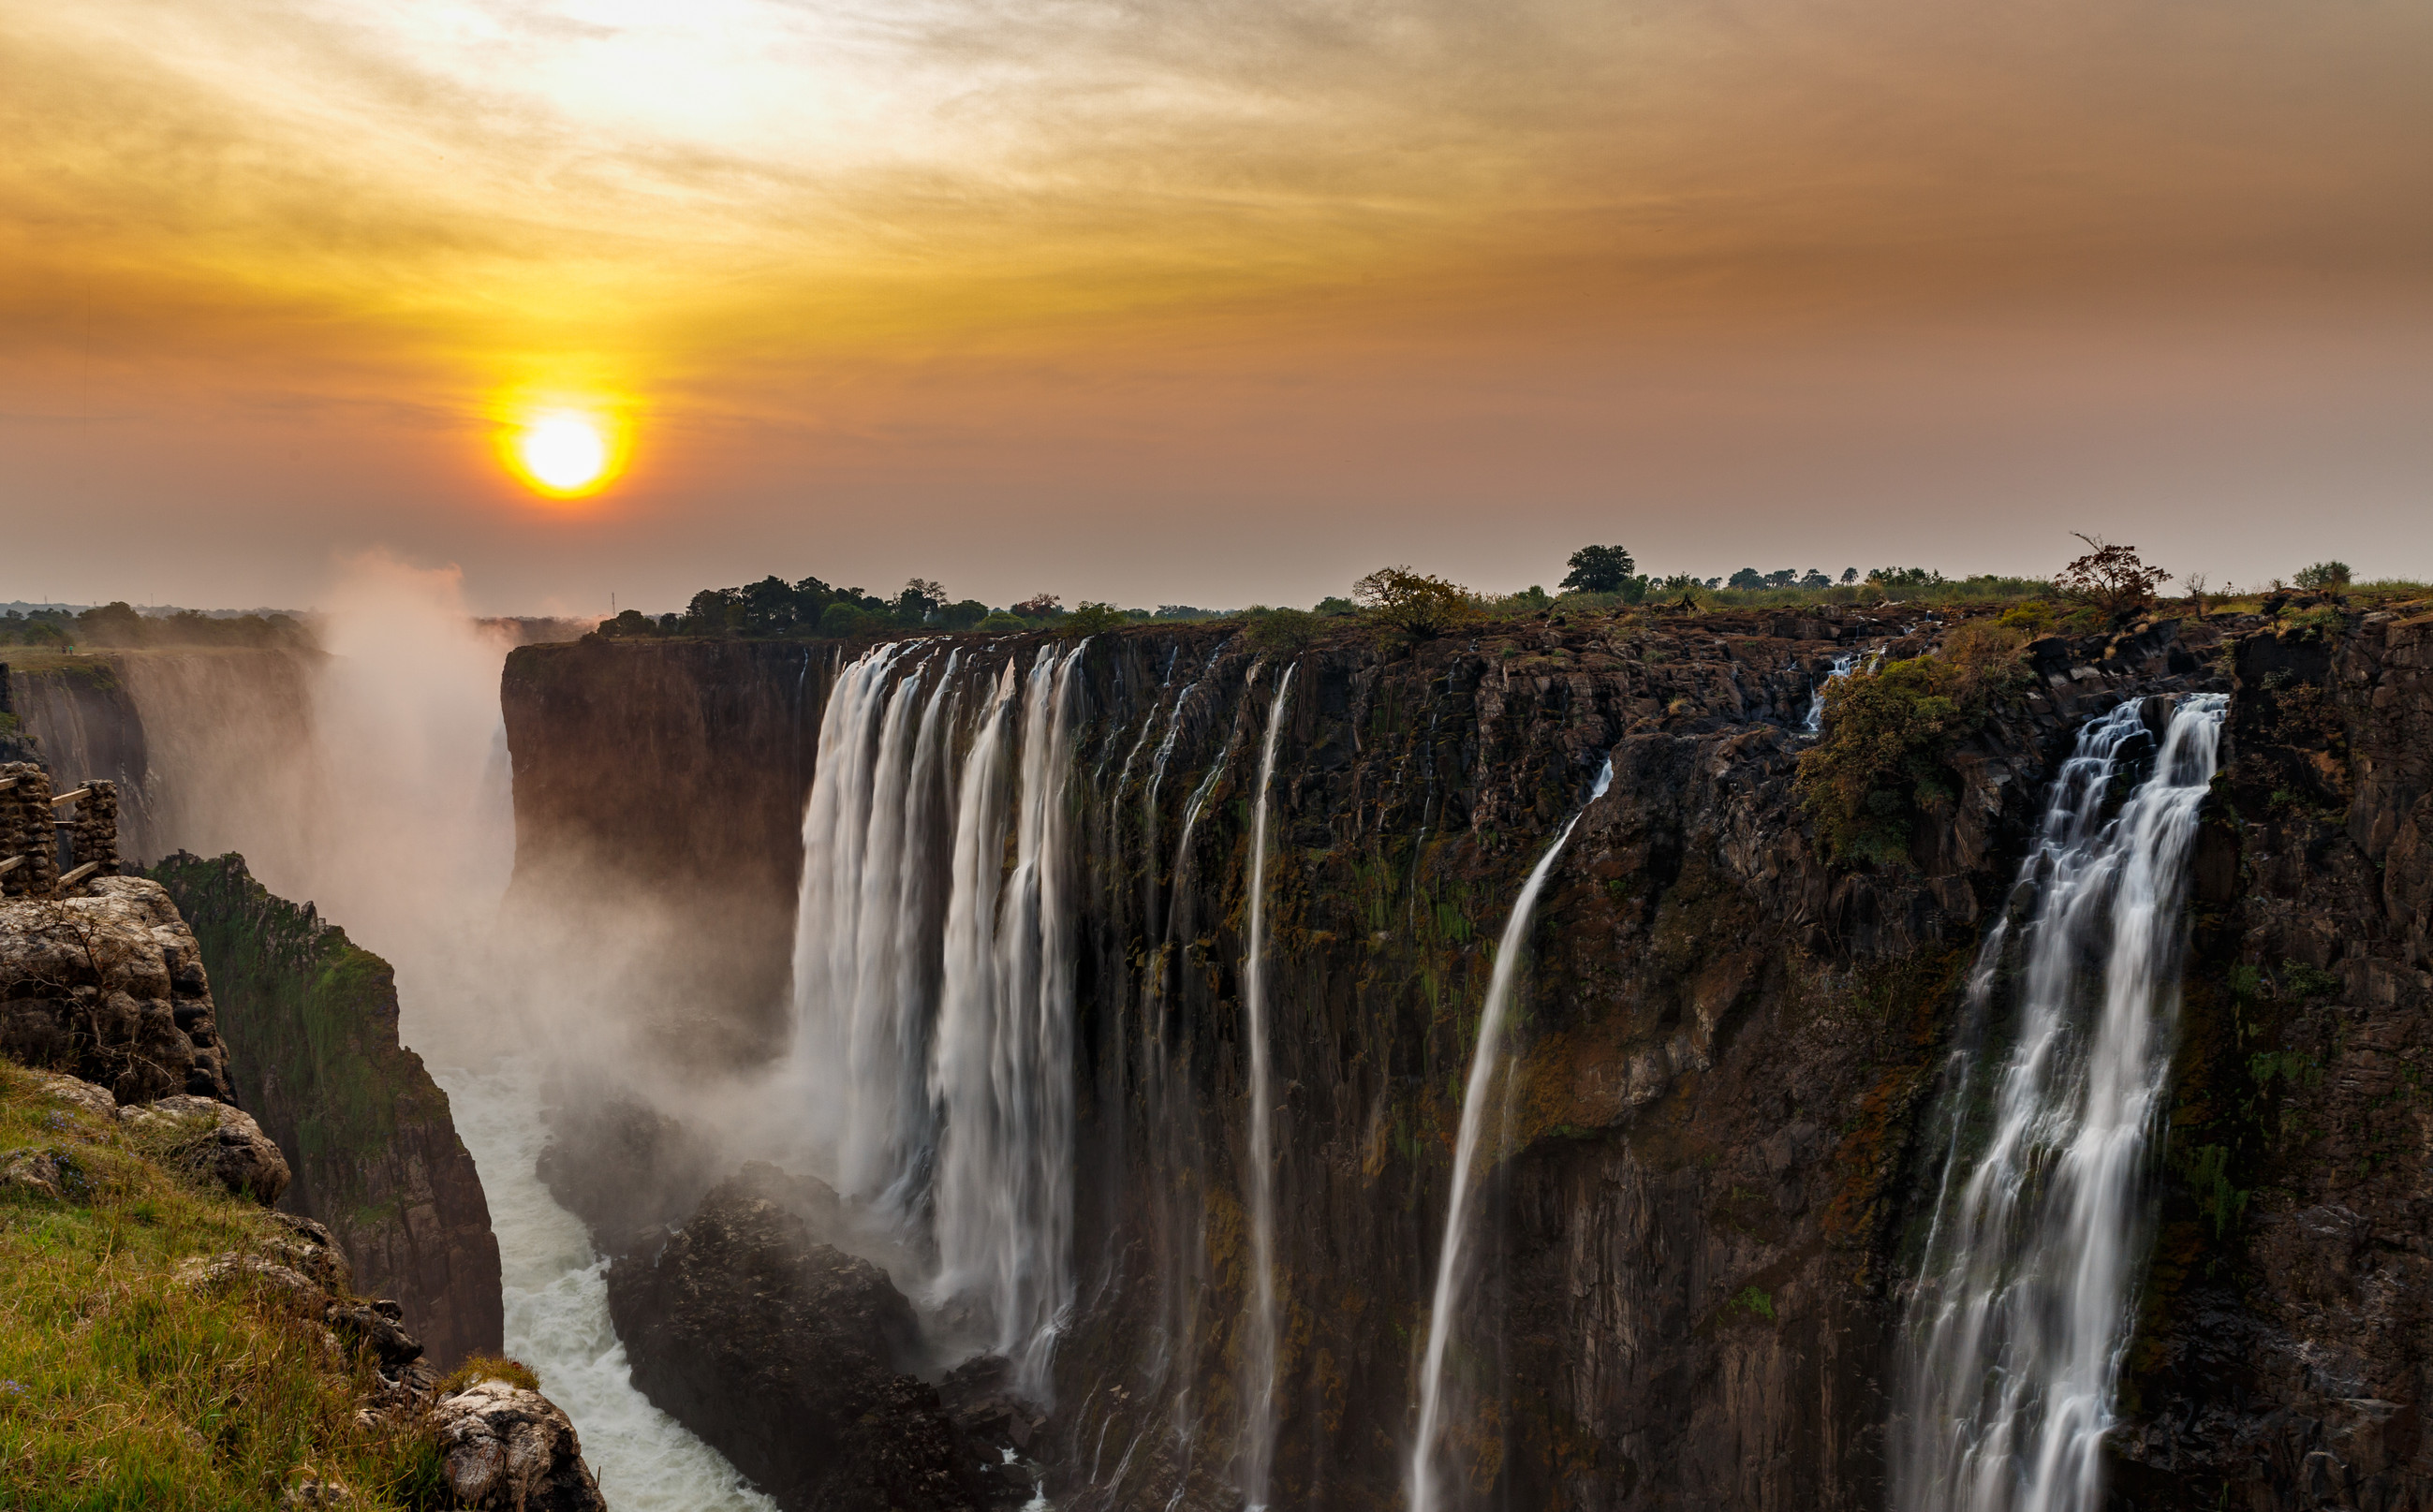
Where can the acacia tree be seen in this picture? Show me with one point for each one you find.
(2112, 578)
(1599, 570)
(1420, 605)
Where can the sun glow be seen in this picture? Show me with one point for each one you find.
(563, 453)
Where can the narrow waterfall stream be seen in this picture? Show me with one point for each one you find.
(1259, 1396)
(2022, 1313)
(1482, 1060)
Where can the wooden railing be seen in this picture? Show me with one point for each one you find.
(51, 844)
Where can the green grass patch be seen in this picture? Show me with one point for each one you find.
(125, 1385)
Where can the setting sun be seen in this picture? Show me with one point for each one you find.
(563, 453)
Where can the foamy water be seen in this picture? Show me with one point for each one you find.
(556, 1293)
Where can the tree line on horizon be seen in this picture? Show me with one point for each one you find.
(1413, 604)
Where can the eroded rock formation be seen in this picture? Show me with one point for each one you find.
(786, 1354)
(312, 1020)
(108, 984)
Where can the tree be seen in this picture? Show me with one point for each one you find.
(1091, 619)
(1849, 574)
(1040, 607)
(920, 601)
(1419, 605)
(1815, 579)
(1782, 577)
(962, 615)
(2323, 575)
(2112, 578)
(1599, 570)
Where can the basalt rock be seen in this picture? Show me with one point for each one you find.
(108, 986)
(1703, 1188)
(785, 1354)
(216, 1141)
(505, 1449)
(627, 1170)
(312, 1021)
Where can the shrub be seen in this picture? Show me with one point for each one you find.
(1418, 606)
(997, 622)
(962, 615)
(2323, 575)
(2110, 578)
(1283, 631)
(1888, 736)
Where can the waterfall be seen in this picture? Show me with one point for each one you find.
(1001, 1073)
(1259, 1409)
(1473, 1114)
(933, 985)
(2022, 1313)
(1814, 723)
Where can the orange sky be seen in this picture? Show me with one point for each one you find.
(1172, 303)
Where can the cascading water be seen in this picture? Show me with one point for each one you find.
(2017, 1331)
(1473, 1110)
(1259, 1397)
(1814, 723)
(933, 986)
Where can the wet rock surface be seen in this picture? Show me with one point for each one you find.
(108, 986)
(787, 1355)
(628, 1171)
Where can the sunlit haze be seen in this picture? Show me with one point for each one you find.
(1159, 302)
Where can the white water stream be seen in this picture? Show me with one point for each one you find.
(933, 987)
(1259, 1397)
(2022, 1313)
(1483, 1061)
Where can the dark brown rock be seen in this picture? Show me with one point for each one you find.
(108, 986)
(785, 1354)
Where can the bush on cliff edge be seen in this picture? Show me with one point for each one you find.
(1889, 735)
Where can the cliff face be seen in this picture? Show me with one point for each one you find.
(312, 1021)
(2284, 1352)
(206, 746)
(1705, 1164)
(672, 772)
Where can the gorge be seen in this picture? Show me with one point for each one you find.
(1138, 997)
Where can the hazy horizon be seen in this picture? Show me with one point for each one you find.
(1153, 304)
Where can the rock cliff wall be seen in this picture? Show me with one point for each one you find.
(1704, 1163)
(672, 771)
(312, 1021)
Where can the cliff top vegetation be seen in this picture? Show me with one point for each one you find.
(129, 1380)
(2109, 585)
(120, 625)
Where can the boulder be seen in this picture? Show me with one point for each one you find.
(789, 1355)
(80, 1095)
(109, 988)
(45, 1173)
(230, 1148)
(627, 1170)
(231, 1267)
(504, 1447)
